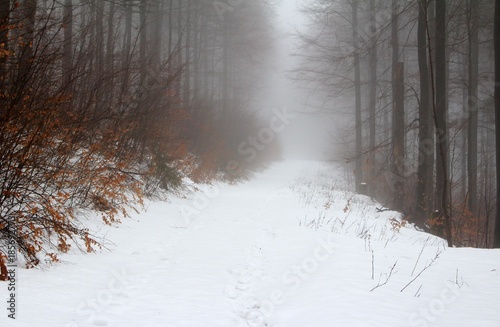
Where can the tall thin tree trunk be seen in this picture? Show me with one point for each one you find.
(463, 131)
(496, 38)
(373, 93)
(397, 114)
(4, 40)
(422, 211)
(196, 56)
(143, 35)
(472, 104)
(431, 58)
(170, 27)
(110, 37)
(99, 21)
(110, 55)
(126, 48)
(357, 89)
(188, 58)
(29, 14)
(225, 69)
(179, 50)
(204, 54)
(157, 26)
(143, 106)
(440, 109)
(67, 63)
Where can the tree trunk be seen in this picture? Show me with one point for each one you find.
(373, 94)
(225, 69)
(472, 104)
(143, 105)
(110, 49)
(170, 27)
(357, 89)
(109, 41)
(463, 131)
(496, 38)
(29, 13)
(67, 64)
(397, 114)
(188, 58)
(156, 30)
(127, 44)
(424, 131)
(196, 56)
(4, 40)
(440, 109)
(179, 52)
(143, 35)
(99, 26)
(431, 58)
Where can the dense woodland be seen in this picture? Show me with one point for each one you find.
(104, 103)
(417, 78)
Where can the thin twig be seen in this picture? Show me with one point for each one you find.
(421, 271)
(391, 272)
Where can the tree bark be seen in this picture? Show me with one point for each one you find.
(188, 58)
(357, 89)
(29, 13)
(440, 113)
(127, 44)
(472, 104)
(397, 114)
(67, 64)
(179, 52)
(496, 38)
(423, 183)
(4, 40)
(373, 93)
(225, 68)
(100, 33)
(170, 27)
(143, 35)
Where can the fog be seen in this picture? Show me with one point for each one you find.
(310, 133)
(140, 95)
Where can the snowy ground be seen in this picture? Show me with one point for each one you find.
(291, 248)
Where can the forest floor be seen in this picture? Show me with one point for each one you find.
(292, 247)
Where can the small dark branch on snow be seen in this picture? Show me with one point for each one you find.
(417, 293)
(388, 276)
(420, 254)
(421, 271)
(382, 209)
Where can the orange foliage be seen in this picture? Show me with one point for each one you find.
(3, 268)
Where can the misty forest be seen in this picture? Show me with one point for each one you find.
(244, 161)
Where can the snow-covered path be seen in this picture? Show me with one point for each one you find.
(290, 248)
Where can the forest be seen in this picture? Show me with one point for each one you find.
(106, 103)
(418, 79)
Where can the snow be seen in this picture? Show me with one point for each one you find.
(290, 248)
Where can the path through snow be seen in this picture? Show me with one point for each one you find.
(291, 248)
